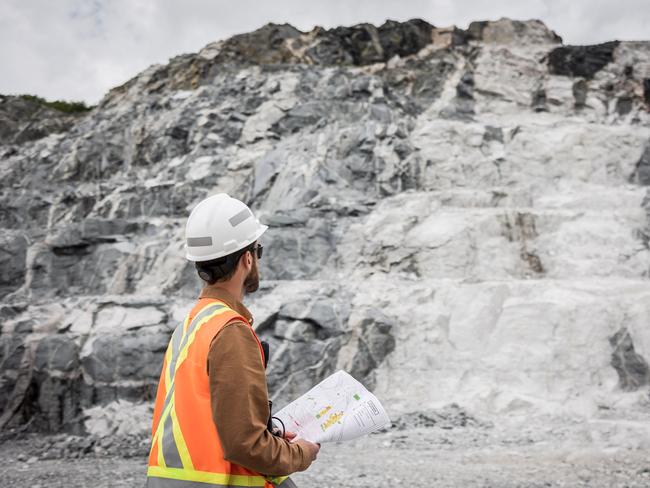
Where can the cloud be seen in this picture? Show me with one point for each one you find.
(78, 49)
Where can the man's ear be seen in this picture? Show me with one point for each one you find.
(246, 260)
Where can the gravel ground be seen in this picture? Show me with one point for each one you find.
(600, 454)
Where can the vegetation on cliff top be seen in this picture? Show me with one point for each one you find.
(60, 105)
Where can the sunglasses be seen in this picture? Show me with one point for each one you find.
(259, 248)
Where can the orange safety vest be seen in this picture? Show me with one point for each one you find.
(185, 448)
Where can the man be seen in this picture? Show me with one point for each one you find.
(212, 411)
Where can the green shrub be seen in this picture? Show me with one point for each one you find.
(60, 105)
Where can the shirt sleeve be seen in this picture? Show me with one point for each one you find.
(240, 408)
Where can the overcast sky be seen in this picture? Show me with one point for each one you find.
(78, 49)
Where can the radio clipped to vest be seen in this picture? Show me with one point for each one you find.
(266, 349)
(269, 424)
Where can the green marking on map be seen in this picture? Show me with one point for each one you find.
(357, 397)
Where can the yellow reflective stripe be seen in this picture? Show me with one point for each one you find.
(186, 459)
(158, 436)
(276, 480)
(206, 477)
(168, 360)
(168, 379)
(161, 458)
(183, 354)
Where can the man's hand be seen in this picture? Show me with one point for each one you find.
(309, 448)
(290, 436)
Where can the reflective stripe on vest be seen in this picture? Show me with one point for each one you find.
(164, 478)
(171, 464)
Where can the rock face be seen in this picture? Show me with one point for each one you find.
(22, 120)
(456, 216)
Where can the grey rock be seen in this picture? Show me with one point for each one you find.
(642, 171)
(583, 61)
(23, 120)
(539, 101)
(56, 353)
(580, 93)
(58, 403)
(299, 253)
(624, 105)
(45, 386)
(322, 313)
(365, 44)
(299, 117)
(632, 368)
(375, 343)
(465, 88)
(130, 357)
(16, 378)
(505, 31)
(305, 336)
(13, 253)
(266, 171)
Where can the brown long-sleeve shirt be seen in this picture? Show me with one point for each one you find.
(239, 398)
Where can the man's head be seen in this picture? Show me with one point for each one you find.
(221, 239)
(240, 267)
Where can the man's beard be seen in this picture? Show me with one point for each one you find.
(252, 281)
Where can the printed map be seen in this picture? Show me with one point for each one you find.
(339, 408)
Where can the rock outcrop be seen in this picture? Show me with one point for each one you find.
(24, 119)
(457, 216)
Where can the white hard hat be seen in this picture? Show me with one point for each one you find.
(218, 226)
